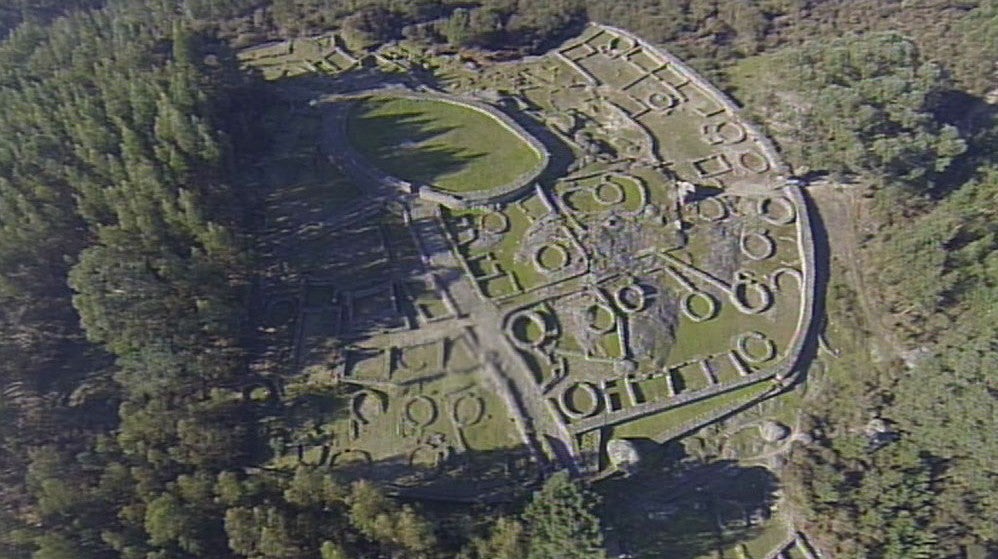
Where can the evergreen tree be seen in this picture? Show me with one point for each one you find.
(562, 523)
(867, 107)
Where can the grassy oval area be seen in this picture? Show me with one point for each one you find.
(447, 145)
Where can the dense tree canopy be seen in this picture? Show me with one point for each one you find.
(126, 259)
(562, 522)
(865, 105)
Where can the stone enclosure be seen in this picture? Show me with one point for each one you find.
(653, 274)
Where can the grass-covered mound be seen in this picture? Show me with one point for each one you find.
(450, 146)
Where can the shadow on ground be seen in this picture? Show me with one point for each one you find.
(682, 509)
(328, 285)
(404, 144)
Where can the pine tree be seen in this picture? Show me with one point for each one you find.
(562, 523)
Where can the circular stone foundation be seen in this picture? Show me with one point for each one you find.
(699, 306)
(551, 258)
(367, 405)
(421, 411)
(750, 296)
(495, 223)
(711, 209)
(753, 161)
(646, 270)
(609, 193)
(776, 211)
(757, 245)
(755, 347)
(631, 298)
(581, 400)
(528, 329)
(600, 318)
(468, 410)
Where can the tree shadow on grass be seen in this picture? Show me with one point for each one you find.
(407, 145)
(475, 476)
(344, 271)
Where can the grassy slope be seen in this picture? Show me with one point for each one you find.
(664, 422)
(451, 147)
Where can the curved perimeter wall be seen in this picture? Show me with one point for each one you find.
(786, 370)
(499, 194)
(667, 57)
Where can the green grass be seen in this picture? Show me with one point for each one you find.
(460, 150)
(491, 439)
(694, 339)
(655, 425)
(505, 252)
(581, 196)
(749, 76)
(452, 147)
(766, 543)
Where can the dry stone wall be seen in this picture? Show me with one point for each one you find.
(368, 172)
(671, 266)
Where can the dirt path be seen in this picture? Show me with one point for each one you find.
(843, 213)
(513, 380)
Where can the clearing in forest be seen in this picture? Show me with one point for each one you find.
(448, 145)
(573, 259)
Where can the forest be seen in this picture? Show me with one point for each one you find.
(126, 250)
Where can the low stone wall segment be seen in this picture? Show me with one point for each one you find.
(760, 139)
(805, 240)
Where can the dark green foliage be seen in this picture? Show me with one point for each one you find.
(884, 499)
(507, 540)
(56, 547)
(315, 517)
(882, 105)
(399, 529)
(947, 401)
(976, 38)
(16, 12)
(865, 105)
(110, 181)
(473, 27)
(125, 262)
(369, 26)
(493, 24)
(561, 521)
(931, 492)
(947, 262)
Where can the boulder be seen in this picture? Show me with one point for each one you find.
(773, 431)
(623, 454)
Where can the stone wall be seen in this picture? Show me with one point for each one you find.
(805, 239)
(730, 107)
(788, 368)
(501, 194)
